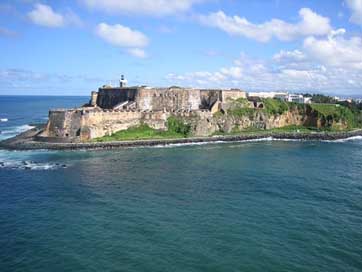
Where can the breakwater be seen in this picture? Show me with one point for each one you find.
(27, 140)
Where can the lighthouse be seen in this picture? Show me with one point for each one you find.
(122, 82)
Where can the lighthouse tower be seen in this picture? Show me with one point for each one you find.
(122, 82)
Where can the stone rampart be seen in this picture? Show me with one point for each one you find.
(85, 124)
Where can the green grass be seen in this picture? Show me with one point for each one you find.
(275, 106)
(178, 126)
(326, 109)
(336, 112)
(142, 132)
(286, 129)
(240, 112)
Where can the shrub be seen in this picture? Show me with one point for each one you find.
(275, 106)
(336, 112)
(177, 125)
(240, 112)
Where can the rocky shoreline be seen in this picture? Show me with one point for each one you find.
(26, 140)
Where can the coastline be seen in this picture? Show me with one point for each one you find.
(26, 140)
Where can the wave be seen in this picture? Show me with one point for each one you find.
(4, 119)
(13, 131)
(354, 138)
(266, 139)
(30, 165)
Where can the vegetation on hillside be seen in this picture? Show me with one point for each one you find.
(335, 112)
(324, 99)
(176, 129)
(275, 106)
(241, 112)
(178, 126)
(349, 113)
(141, 132)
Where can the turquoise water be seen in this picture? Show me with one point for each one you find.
(253, 206)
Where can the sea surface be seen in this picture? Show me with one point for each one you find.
(248, 206)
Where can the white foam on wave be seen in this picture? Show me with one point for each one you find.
(266, 139)
(28, 160)
(208, 143)
(13, 131)
(350, 139)
(30, 165)
(4, 119)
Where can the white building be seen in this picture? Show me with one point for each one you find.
(268, 94)
(284, 96)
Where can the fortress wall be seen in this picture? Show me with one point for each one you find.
(232, 94)
(109, 97)
(85, 124)
(168, 99)
(64, 123)
(100, 123)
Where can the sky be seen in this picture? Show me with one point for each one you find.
(73, 47)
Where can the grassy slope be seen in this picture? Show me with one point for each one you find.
(141, 132)
(337, 112)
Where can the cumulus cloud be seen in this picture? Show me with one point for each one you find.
(287, 70)
(44, 15)
(125, 37)
(336, 51)
(356, 8)
(154, 8)
(310, 23)
(288, 56)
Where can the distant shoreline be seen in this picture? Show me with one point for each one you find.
(25, 140)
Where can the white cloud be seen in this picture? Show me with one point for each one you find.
(336, 51)
(137, 52)
(122, 36)
(125, 37)
(154, 7)
(288, 56)
(288, 70)
(44, 15)
(356, 8)
(310, 23)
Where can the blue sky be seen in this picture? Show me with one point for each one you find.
(72, 47)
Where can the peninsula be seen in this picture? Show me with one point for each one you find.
(142, 115)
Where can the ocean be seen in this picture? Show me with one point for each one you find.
(247, 206)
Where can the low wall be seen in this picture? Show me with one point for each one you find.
(85, 124)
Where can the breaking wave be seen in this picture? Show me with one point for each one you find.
(350, 139)
(266, 139)
(30, 165)
(13, 131)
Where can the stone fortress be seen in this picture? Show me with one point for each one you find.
(112, 109)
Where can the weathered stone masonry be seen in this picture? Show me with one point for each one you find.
(114, 109)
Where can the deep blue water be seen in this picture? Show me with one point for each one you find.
(252, 206)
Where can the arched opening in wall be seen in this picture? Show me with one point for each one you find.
(255, 104)
(66, 134)
(261, 106)
(78, 133)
